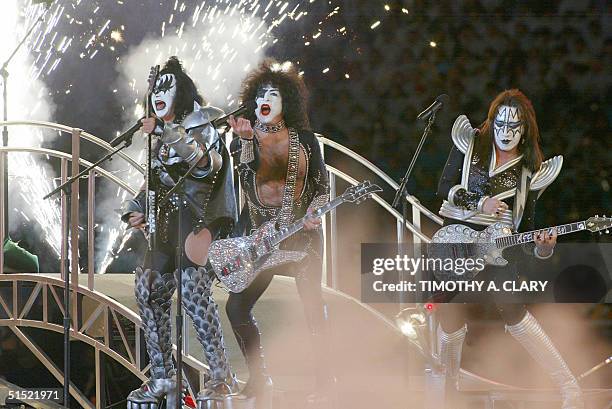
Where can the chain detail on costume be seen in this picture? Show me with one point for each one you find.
(286, 213)
(269, 128)
(165, 212)
(247, 153)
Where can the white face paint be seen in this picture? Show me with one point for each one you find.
(507, 127)
(269, 104)
(163, 95)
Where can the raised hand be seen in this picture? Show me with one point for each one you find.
(137, 220)
(241, 127)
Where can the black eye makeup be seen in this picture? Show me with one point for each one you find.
(511, 125)
(164, 85)
(261, 92)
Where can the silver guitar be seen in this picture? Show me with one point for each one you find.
(459, 241)
(237, 261)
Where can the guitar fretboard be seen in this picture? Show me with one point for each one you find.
(527, 237)
(296, 226)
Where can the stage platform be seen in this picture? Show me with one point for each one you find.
(368, 353)
(376, 366)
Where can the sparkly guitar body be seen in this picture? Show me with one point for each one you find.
(458, 241)
(237, 261)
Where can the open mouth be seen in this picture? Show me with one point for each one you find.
(159, 105)
(265, 109)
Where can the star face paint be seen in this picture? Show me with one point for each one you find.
(507, 127)
(269, 104)
(163, 95)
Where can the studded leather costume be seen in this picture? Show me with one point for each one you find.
(466, 182)
(308, 273)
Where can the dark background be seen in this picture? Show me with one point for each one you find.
(557, 53)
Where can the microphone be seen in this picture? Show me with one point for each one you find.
(434, 107)
(222, 120)
(126, 135)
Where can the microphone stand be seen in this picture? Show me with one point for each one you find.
(400, 194)
(178, 189)
(402, 187)
(66, 187)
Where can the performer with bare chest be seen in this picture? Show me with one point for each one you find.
(283, 177)
(272, 169)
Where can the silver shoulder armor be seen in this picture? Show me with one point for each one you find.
(547, 173)
(201, 116)
(462, 133)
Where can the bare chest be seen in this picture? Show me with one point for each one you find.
(272, 172)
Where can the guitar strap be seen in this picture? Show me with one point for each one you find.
(243, 220)
(520, 197)
(285, 216)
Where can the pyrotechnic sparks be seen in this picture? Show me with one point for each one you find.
(29, 180)
(218, 41)
(116, 36)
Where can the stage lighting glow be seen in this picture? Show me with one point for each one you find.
(410, 322)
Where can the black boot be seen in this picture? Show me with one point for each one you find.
(259, 387)
(325, 394)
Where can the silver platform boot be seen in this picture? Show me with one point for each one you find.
(450, 347)
(203, 310)
(154, 297)
(532, 337)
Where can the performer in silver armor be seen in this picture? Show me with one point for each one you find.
(497, 173)
(283, 177)
(184, 133)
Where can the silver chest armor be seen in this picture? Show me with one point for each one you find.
(198, 129)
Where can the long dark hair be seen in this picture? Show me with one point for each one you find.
(291, 86)
(186, 90)
(530, 140)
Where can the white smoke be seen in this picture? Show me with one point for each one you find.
(216, 53)
(217, 56)
(30, 175)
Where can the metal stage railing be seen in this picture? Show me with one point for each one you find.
(417, 209)
(129, 351)
(94, 320)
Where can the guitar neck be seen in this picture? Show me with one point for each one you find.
(285, 232)
(528, 237)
